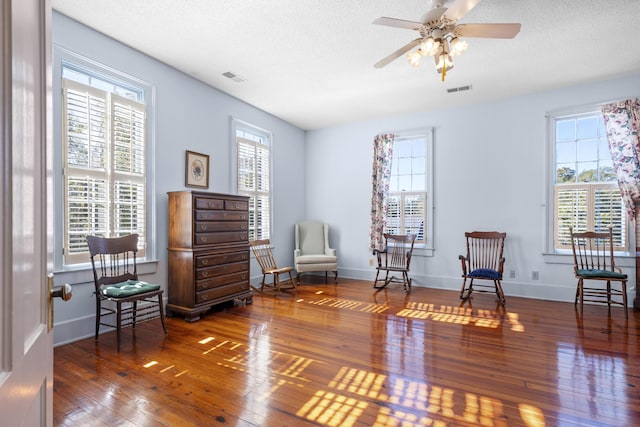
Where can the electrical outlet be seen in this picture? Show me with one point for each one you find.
(370, 262)
(512, 274)
(535, 275)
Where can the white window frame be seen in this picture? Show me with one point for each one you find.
(423, 247)
(66, 59)
(242, 127)
(564, 255)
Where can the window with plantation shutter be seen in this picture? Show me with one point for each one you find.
(253, 166)
(104, 167)
(586, 194)
(407, 198)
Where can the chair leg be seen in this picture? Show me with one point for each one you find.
(326, 275)
(161, 309)
(98, 316)
(375, 282)
(500, 292)
(577, 293)
(336, 277)
(624, 298)
(134, 312)
(464, 288)
(118, 323)
(609, 293)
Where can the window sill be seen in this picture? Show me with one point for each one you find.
(622, 260)
(83, 273)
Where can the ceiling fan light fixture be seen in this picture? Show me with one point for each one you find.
(414, 58)
(429, 46)
(458, 46)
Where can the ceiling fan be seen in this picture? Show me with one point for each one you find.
(440, 36)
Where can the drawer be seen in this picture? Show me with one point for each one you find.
(221, 292)
(222, 269)
(211, 226)
(236, 205)
(208, 203)
(221, 237)
(216, 282)
(210, 260)
(221, 215)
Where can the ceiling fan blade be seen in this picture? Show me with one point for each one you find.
(398, 53)
(459, 8)
(398, 23)
(433, 14)
(493, 31)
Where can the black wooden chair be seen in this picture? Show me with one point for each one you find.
(593, 260)
(115, 276)
(394, 258)
(484, 261)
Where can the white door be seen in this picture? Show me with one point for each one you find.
(26, 343)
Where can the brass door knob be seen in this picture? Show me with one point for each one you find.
(64, 292)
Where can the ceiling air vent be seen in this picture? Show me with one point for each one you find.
(236, 78)
(459, 89)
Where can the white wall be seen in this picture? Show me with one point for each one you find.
(189, 115)
(490, 174)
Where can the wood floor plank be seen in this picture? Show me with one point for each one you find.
(343, 355)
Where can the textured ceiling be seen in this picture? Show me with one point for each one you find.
(310, 62)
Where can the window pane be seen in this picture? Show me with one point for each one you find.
(404, 182)
(418, 148)
(566, 173)
(418, 182)
(607, 173)
(587, 150)
(587, 128)
(418, 165)
(588, 172)
(566, 152)
(565, 130)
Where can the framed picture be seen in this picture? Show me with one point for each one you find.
(197, 170)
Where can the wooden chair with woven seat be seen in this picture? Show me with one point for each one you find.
(264, 255)
(394, 258)
(115, 276)
(484, 261)
(593, 260)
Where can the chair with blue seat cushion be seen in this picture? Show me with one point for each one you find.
(484, 261)
(115, 277)
(593, 260)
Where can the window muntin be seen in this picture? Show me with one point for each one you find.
(104, 139)
(253, 156)
(407, 198)
(586, 194)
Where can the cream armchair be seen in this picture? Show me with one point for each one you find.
(312, 251)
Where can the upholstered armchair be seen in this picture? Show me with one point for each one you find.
(312, 252)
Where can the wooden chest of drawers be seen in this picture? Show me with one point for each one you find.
(208, 251)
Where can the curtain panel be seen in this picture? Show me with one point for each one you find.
(382, 155)
(622, 122)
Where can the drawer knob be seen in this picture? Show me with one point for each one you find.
(205, 273)
(237, 205)
(203, 239)
(205, 262)
(243, 226)
(205, 297)
(244, 256)
(211, 204)
(244, 276)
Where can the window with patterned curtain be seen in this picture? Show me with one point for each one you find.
(586, 194)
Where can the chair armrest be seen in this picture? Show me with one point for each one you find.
(296, 253)
(330, 251)
(463, 261)
(501, 265)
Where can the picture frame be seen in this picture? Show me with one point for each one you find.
(196, 170)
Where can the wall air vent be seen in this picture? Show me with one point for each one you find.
(236, 78)
(459, 89)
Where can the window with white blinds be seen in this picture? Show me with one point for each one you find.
(407, 198)
(104, 167)
(253, 156)
(586, 194)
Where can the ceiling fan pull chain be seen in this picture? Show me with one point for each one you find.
(444, 71)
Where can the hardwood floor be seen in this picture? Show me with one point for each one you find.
(342, 355)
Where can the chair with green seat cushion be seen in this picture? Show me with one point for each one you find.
(593, 260)
(115, 277)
